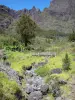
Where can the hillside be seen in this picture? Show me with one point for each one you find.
(58, 16)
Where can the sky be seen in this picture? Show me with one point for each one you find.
(20, 4)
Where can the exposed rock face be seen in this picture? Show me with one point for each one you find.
(60, 15)
(6, 16)
(60, 6)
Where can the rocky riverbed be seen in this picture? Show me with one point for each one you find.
(35, 85)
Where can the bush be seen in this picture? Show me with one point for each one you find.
(66, 62)
(26, 28)
(72, 37)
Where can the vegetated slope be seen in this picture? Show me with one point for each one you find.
(25, 59)
(58, 16)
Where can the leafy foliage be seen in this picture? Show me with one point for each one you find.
(8, 88)
(66, 63)
(26, 27)
(72, 37)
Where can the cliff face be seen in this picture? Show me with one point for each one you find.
(63, 7)
(60, 15)
(6, 16)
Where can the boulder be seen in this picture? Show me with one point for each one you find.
(7, 63)
(4, 57)
(29, 89)
(37, 95)
(28, 73)
(29, 68)
(21, 77)
(56, 71)
(62, 82)
(58, 98)
(56, 92)
(44, 89)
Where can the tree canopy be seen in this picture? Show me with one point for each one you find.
(26, 28)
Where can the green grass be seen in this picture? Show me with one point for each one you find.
(65, 90)
(42, 71)
(20, 59)
(56, 62)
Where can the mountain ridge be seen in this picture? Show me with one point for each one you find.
(58, 16)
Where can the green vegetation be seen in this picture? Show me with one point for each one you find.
(72, 37)
(36, 41)
(66, 63)
(20, 59)
(8, 88)
(26, 27)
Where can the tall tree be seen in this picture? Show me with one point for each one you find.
(26, 27)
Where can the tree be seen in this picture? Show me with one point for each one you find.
(26, 28)
(72, 36)
(66, 62)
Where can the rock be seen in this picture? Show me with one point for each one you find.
(29, 89)
(56, 92)
(28, 73)
(7, 63)
(29, 68)
(11, 73)
(58, 98)
(4, 57)
(37, 95)
(21, 77)
(56, 71)
(62, 82)
(44, 89)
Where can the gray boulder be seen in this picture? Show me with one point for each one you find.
(62, 82)
(37, 95)
(58, 98)
(28, 73)
(56, 92)
(44, 89)
(29, 89)
(29, 68)
(56, 71)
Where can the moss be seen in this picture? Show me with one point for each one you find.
(7, 87)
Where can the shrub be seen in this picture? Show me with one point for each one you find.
(66, 62)
(72, 37)
(26, 28)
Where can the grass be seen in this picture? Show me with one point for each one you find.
(65, 90)
(20, 59)
(56, 62)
